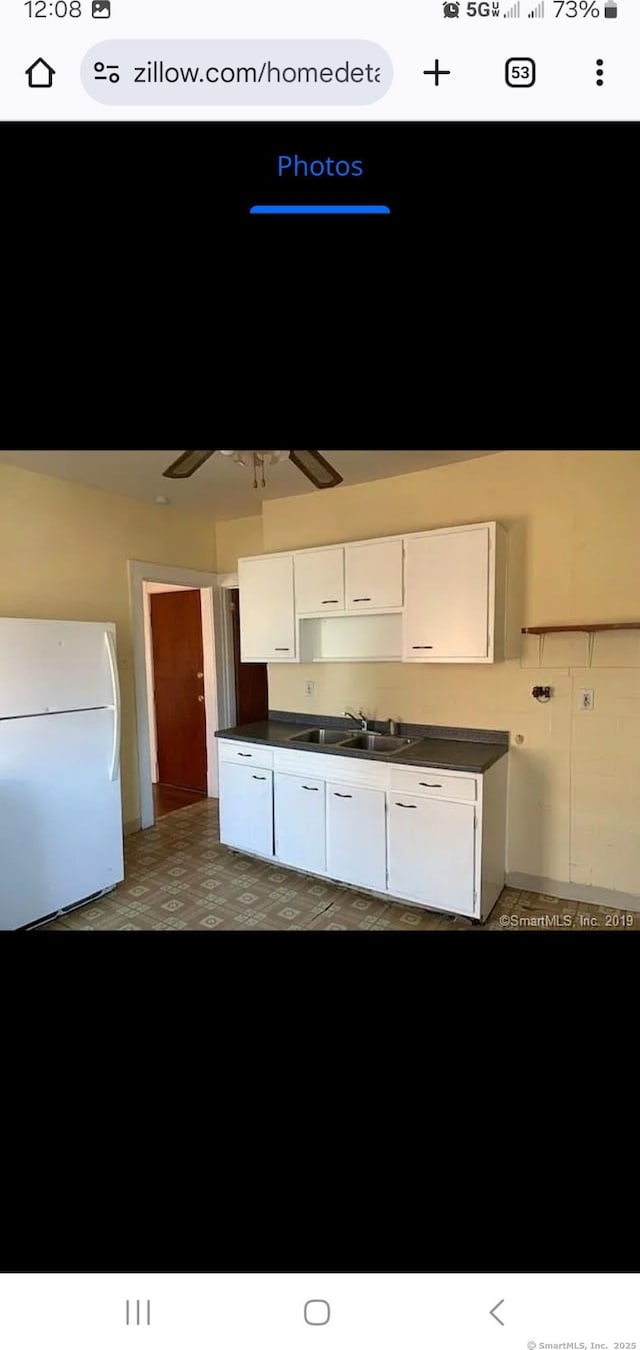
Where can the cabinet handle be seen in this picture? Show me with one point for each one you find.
(438, 785)
(342, 794)
(261, 779)
(244, 754)
(329, 602)
(360, 599)
(405, 806)
(282, 649)
(308, 789)
(423, 649)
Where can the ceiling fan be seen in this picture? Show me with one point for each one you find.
(310, 462)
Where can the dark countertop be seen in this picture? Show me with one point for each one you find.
(444, 751)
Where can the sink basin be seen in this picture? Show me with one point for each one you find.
(321, 736)
(372, 740)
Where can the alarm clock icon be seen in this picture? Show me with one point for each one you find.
(451, 9)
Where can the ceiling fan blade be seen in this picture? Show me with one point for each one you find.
(316, 468)
(188, 463)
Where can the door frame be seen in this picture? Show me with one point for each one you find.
(208, 583)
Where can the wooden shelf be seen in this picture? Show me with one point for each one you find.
(589, 628)
(580, 628)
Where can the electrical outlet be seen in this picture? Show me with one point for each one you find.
(586, 700)
(309, 688)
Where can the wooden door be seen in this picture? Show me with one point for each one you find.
(252, 690)
(178, 673)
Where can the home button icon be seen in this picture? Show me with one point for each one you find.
(317, 1312)
(40, 74)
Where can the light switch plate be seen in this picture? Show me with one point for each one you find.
(586, 700)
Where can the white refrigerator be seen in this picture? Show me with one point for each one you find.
(60, 801)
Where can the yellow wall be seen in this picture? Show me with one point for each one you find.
(63, 555)
(237, 539)
(574, 532)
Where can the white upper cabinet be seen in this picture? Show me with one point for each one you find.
(267, 622)
(374, 575)
(319, 581)
(437, 595)
(449, 610)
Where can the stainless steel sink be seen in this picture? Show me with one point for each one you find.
(373, 740)
(321, 736)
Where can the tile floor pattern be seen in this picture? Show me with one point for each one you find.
(180, 877)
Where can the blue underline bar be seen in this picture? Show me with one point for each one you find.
(320, 211)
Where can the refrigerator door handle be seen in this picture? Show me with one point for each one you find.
(117, 713)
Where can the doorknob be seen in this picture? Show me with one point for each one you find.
(200, 675)
(200, 698)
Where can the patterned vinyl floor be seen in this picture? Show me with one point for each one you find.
(180, 877)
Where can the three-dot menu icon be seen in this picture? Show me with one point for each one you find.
(138, 1312)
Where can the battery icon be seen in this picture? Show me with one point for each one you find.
(611, 10)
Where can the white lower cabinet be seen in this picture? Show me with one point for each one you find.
(356, 846)
(425, 836)
(299, 821)
(432, 851)
(246, 808)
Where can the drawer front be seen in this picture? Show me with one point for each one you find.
(243, 752)
(339, 768)
(433, 783)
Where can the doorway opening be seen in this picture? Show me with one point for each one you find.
(208, 658)
(250, 678)
(175, 680)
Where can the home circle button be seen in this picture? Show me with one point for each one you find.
(317, 1312)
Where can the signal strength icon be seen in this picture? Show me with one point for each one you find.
(514, 12)
(538, 12)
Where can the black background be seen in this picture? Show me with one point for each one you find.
(140, 295)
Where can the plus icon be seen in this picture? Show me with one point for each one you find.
(436, 72)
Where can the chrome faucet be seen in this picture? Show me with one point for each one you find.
(363, 720)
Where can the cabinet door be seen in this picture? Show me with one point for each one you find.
(374, 575)
(356, 845)
(246, 808)
(299, 821)
(267, 625)
(432, 851)
(319, 581)
(447, 609)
